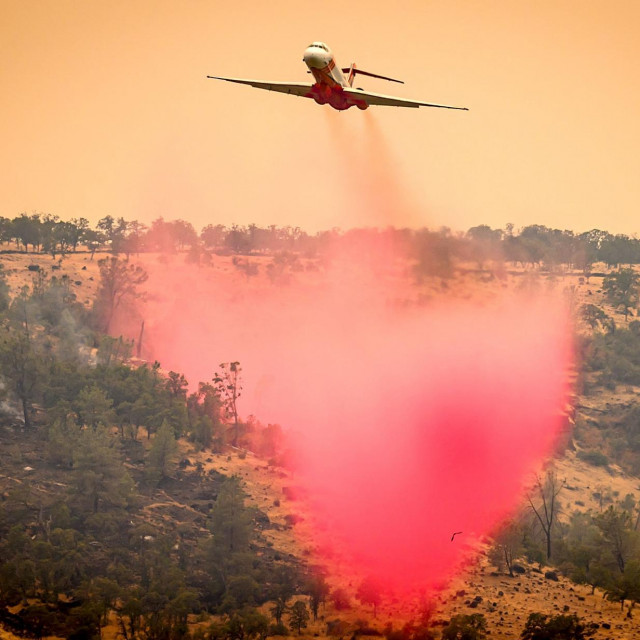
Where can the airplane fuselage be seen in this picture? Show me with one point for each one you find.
(330, 81)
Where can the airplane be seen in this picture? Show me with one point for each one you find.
(332, 87)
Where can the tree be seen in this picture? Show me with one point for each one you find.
(340, 599)
(134, 240)
(485, 243)
(78, 227)
(540, 626)
(229, 387)
(238, 239)
(318, 590)
(283, 589)
(27, 229)
(162, 455)
(616, 527)
(299, 616)
(119, 282)
(113, 350)
(241, 590)
(507, 546)
(582, 557)
(177, 385)
(621, 289)
(245, 624)
(183, 233)
(129, 615)
(94, 407)
(595, 317)
(369, 592)
(626, 586)
(618, 249)
(5, 298)
(435, 254)
(203, 415)
(48, 233)
(62, 436)
(466, 627)
(93, 239)
(230, 520)
(227, 551)
(114, 231)
(213, 236)
(106, 593)
(21, 364)
(99, 480)
(547, 510)
(170, 236)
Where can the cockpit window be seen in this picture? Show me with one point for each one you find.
(320, 45)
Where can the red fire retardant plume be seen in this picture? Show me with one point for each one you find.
(411, 422)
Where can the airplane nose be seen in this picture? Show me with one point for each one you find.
(314, 58)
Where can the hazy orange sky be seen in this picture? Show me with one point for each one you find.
(105, 109)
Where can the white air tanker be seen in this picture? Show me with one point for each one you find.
(332, 87)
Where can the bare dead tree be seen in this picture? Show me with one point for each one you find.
(548, 508)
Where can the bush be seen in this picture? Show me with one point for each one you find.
(540, 626)
(462, 627)
(340, 599)
(363, 628)
(594, 458)
(336, 628)
(278, 630)
(292, 519)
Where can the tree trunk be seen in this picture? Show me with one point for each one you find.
(508, 560)
(549, 545)
(25, 413)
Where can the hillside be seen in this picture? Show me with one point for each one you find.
(506, 602)
(179, 506)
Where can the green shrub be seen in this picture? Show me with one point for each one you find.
(594, 458)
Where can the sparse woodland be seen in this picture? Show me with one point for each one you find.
(91, 440)
(435, 252)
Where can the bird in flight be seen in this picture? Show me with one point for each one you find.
(457, 533)
(333, 85)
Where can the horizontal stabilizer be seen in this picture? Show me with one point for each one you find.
(357, 71)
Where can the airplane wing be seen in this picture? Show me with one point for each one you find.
(295, 88)
(390, 101)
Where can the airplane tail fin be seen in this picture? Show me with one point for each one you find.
(353, 71)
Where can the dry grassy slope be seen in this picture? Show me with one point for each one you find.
(81, 270)
(530, 592)
(506, 602)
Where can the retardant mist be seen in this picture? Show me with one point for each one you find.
(365, 172)
(411, 421)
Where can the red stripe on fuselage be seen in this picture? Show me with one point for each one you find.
(323, 76)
